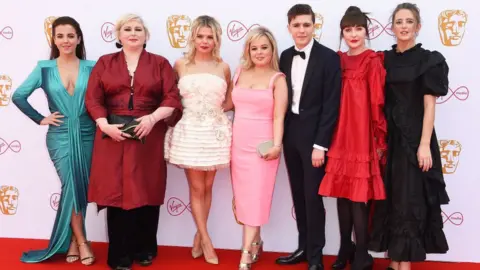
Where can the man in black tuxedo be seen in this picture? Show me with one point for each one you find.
(314, 85)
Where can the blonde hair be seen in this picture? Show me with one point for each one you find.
(255, 34)
(130, 17)
(204, 21)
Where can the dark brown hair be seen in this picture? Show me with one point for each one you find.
(80, 50)
(300, 9)
(354, 17)
(409, 6)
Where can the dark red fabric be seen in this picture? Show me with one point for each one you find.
(129, 174)
(353, 165)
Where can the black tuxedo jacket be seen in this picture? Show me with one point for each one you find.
(320, 97)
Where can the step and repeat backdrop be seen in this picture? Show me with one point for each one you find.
(29, 185)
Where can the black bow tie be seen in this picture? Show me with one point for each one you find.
(302, 54)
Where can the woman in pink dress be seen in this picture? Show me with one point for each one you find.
(260, 98)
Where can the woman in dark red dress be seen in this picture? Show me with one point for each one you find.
(353, 168)
(128, 177)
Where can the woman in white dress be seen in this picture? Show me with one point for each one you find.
(200, 142)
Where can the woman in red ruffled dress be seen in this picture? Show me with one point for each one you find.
(353, 167)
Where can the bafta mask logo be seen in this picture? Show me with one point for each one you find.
(8, 200)
(234, 209)
(47, 27)
(451, 25)
(5, 90)
(318, 27)
(178, 30)
(450, 152)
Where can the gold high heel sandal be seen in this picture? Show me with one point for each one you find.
(245, 266)
(91, 257)
(196, 253)
(73, 256)
(256, 256)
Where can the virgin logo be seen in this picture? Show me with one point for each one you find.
(6, 32)
(55, 201)
(107, 32)
(455, 218)
(176, 207)
(13, 146)
(237, 30)
(460, 93)
(375, 29)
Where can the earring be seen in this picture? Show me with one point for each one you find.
(144, 45)
(118, 45)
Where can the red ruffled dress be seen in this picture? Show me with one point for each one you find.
(353, 165)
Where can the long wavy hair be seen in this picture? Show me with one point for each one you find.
(80, 49)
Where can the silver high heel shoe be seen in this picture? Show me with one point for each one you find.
(245, 266)
(256, 256)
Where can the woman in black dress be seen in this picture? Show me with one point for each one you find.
(409, 223)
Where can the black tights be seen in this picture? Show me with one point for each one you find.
(353, 215)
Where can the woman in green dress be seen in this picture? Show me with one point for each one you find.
(70, 135)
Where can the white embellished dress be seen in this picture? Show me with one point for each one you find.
(202, 138)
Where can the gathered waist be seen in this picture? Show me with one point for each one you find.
(82, 123)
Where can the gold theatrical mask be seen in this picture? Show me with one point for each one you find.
(47, 27)
(5, 90)
(318, 27)
(8, 200)
(450, 152)
(178, 30)
(451, 26)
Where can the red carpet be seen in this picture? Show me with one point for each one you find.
(173, 258)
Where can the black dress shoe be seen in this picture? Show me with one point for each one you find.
(344, 257)
(297, 256)
(363, 263)
(316, 267)
(122, 268)
(144, 260)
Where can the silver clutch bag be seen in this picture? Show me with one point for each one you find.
(264, 147)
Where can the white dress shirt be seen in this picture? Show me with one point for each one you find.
(299, 68)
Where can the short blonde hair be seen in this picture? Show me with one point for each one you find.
(130, 17)
(204, 21)
(255, 34)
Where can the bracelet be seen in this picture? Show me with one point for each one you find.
(278, 146)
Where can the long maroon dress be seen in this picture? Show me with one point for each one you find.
(129, 174)
(128, 177)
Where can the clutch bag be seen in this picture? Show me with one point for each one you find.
(129, 124)
(264, 147)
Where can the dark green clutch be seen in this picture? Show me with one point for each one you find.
(129, 124)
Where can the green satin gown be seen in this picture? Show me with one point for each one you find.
(69, 146)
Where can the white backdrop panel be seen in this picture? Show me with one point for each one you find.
(25, 165)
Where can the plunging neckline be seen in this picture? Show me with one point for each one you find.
(74, 83)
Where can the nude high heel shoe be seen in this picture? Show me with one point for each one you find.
(196, 253)
(213, 260)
